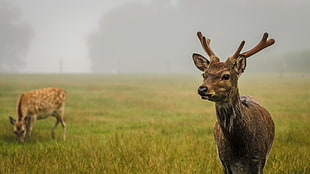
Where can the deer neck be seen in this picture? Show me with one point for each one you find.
(230, 115)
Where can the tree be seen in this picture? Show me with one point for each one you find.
(15, 38)
(137, 38)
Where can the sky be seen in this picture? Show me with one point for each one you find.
(62, 28)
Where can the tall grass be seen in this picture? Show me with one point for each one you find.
(147, 124)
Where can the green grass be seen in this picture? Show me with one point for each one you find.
(147, 124)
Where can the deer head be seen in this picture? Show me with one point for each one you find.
(19, 128)
(220, 78)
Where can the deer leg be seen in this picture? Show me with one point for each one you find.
(63, 124)
(56, 124)
(29, 122)
(60, 118)
(62, 121)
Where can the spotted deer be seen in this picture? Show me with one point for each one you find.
(244, 129)
(39, 104)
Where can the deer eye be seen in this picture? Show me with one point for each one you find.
(225, 77)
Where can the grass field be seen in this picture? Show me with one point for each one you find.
(147, 124)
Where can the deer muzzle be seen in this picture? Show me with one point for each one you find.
(203, 92)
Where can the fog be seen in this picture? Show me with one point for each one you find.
(148, 36)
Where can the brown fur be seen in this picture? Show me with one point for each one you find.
(39, 104)
(244, 130)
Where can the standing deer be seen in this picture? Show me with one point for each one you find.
(39, 104)
(244, 129)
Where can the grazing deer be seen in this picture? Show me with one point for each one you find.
(39, 104)
(244, 130)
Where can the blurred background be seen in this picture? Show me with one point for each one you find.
(148, 36)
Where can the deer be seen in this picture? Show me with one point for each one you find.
(244, 130)
(38, 104)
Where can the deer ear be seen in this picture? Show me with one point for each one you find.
(201, 62)
(240, 64)
(12, 120)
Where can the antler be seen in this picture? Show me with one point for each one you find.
(260, 46)
(237, 53)
(205, 43)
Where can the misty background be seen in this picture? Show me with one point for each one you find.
(148, 36)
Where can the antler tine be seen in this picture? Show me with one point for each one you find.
(237, 53)
(205, 43)
(260, 46)
(199, 34)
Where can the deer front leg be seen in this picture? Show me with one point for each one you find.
(29, 121)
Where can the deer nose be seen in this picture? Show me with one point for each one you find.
(202, 90)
